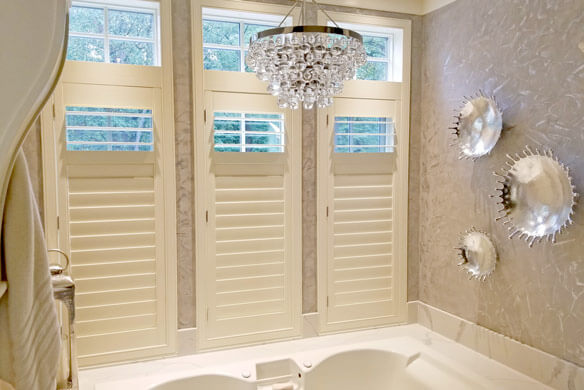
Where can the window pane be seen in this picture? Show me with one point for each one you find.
(373, 71)
(270, 139)
(220, 33)
(247, 68)
(271, 149)
(267, 126)
(229, 114)
(131, 52)
(250, 29)
(86, 20)
(229, 139)
(220, 59)
(375, 46)
(103, 129)
(85, 49)
(227, 125)
(263, 116)
(364, 135)
(131, 24)
(243, 132)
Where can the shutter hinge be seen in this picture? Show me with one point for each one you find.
(58, 222)
(207, 216)
(327, 211)
(205, 116)
(327, 119)
(54, 111)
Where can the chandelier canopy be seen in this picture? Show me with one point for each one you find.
(306, 63)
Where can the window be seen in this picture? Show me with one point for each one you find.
(363, 134)
(362, 184)
(108, 156)
(226, 36)
(239, 132)
(109, 129)
(383, 47)
(114, 34)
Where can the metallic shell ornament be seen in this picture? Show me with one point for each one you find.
(537, 196)
(478, 254)
(478, 126)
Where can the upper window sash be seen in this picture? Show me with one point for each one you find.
(95, 39)
(229, 55)
(386, 67)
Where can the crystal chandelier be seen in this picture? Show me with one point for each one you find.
(306, 63)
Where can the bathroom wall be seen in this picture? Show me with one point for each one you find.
(526, 53)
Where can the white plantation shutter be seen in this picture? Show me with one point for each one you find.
(113, 219)
(361, 272)
(250, 272)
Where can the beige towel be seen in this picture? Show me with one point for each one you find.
(29, 333)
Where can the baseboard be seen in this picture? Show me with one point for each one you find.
(185, 341)
(186, 338)
(541, 366)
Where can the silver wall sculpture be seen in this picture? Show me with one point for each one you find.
(478, 254)
(537, 196)
(478, 126)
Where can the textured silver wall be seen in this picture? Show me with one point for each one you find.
(526, 53)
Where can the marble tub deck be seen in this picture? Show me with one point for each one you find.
(501, 376)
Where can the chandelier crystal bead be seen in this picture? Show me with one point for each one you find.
(306, 64)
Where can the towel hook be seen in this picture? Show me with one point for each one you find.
(57, 268)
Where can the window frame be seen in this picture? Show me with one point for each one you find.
(370, 93)
(139, 78)
(241, 92)
(140, 6)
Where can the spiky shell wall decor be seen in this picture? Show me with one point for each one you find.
(478, 126)
(478, 254)
(537, 196)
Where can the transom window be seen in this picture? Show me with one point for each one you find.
(226, 36)
(364, 134)
(102, 32)
(109, 129)
(384, 52)
(245, 132)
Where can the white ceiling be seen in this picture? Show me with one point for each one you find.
(416, 7)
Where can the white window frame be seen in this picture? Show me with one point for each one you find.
(101, 74)
(143, 6)
(238, 16)
(238, 85)
(370, 92)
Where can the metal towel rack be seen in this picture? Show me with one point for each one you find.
(64, 291)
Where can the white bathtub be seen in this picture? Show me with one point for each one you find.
(406, 358)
